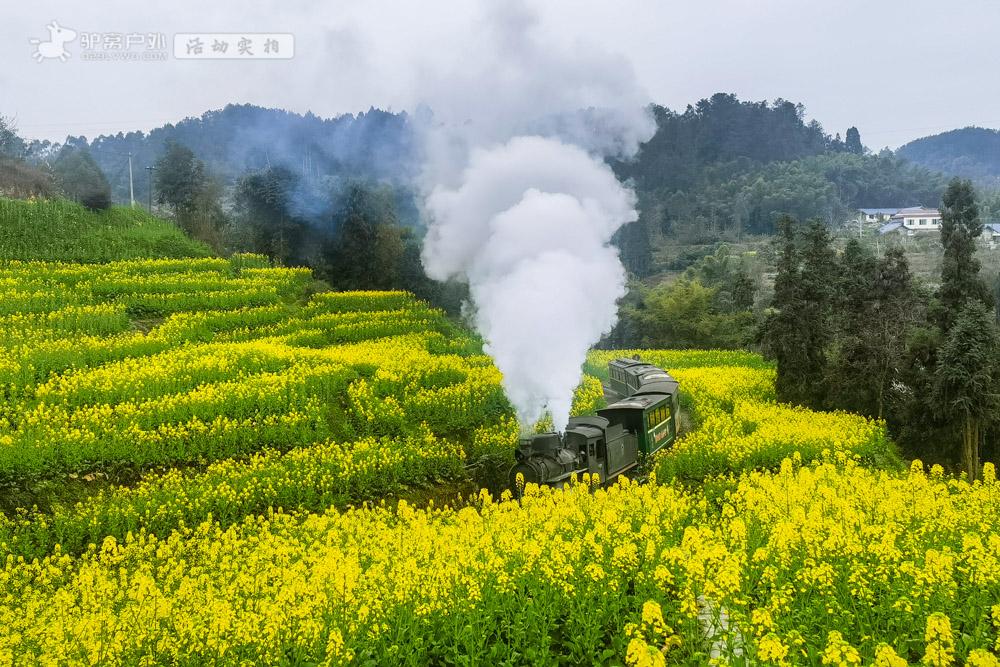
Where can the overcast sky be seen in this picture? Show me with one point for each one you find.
(896, 69)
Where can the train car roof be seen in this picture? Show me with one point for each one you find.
(627, 362)
(588, 420)
(659, 387)
(637, 402)
(655, 373)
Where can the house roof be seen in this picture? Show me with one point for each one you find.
(993, 227)
(889, 227)
(878, 211)
(917, 210)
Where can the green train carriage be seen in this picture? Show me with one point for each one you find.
(641, 420)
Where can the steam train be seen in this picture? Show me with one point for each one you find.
(642, 419)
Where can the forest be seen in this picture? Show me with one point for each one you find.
(339, 196)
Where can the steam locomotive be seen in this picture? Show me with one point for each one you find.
(642, 419)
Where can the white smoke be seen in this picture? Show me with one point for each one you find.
(522, 205)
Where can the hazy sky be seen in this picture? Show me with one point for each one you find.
(896, 69)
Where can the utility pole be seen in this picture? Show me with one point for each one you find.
(131, 189)
(150, 170)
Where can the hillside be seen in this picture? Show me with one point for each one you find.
(720, 169)
(971, 152)
(240, 138)
(727, 168)
(59, 230)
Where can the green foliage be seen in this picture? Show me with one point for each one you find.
(966, 388)
(970, 152)
(264, 200)
(369, 246)
(725, 168)
(799, 329)
(194, 196)
(179, 177)
(875, 308)
(708, 307)
(634, 242)
(243, 138)
(683, 315)
(64, 231)
(853, 141)
(80, 179)
(960, 230)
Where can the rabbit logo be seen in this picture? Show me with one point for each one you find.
(55, 47)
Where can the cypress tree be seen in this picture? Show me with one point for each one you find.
(816, 292)
(966, 380)
(960, 229)
(784, 336)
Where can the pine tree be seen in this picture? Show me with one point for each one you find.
(80, 179)
(960, 229)
(180, 178)
(368, 249)
(783, 336)
(816, 292)
(966, 380)
(853, 141)
(875, 310)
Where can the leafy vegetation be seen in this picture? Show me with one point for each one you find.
(64, 231)
(727, 168)
(857, 332)
(708, 306)
(80, 179)
(970, 152)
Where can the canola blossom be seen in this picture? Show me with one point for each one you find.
(250, 470)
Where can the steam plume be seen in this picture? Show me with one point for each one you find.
(522, 205)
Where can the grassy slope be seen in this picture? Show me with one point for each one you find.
(59, 230)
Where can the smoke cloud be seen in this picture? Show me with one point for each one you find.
(522, 205)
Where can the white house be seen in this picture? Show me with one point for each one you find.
(991, 234)
(912, 221)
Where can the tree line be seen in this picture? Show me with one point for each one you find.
(348, 230)
(857, 332)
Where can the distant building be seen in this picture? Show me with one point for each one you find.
(912, 221)
(991, 233)
(876, 214)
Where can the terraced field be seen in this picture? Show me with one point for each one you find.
(203, 462)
